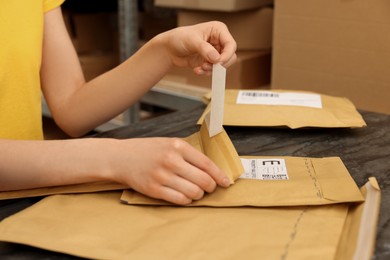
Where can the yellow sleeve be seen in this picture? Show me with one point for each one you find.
(51, 4)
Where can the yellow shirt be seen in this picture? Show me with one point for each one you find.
(21, 34)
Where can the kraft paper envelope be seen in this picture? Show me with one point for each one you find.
(65, 189)
(359, 232)
(98, 226)
(219, 148)
(310, 181)
(333, 111)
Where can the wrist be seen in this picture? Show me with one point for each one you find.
(103, 158)
(161, 43)
(93, 161)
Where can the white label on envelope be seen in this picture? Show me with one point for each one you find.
(259, 97)
(264, 169)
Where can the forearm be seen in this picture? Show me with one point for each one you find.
(78, 107)
(31, 164)
(111, 93)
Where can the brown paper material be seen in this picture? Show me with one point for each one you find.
(312, 181)
(220, 150)
(97, 226)
(66, 189)
(335, 112)
(359, 233)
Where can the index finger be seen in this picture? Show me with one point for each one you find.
(217, 45)
(228, 50)
(201, 161)
(227, 46)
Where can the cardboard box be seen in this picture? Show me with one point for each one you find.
(339, 48)
(96, 64)
(95, 32)
(68, 23)
(251, 29)
(252, 70)
(214, 5)
(151, 25)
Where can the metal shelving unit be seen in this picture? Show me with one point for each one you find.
(128, 43)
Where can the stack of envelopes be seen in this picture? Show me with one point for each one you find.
(276, 207)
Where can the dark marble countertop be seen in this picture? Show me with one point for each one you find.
(364, 151)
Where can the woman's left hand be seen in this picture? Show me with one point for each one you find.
(199, 46)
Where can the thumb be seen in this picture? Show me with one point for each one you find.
(208, 52)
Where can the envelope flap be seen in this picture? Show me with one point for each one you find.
(220, 150)
(335, 181)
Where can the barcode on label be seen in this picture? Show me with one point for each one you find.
(264, 169)
(260, 97)
(261, 94)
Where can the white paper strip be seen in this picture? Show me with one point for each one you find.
(214, 120)
(369, 221)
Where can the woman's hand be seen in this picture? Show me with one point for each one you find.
(164, 168)
(199, 46)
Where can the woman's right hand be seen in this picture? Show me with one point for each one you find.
(164, 168)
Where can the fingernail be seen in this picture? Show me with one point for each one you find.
(226, 182)
(206, 66)
(213, 56)
(199, 71)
